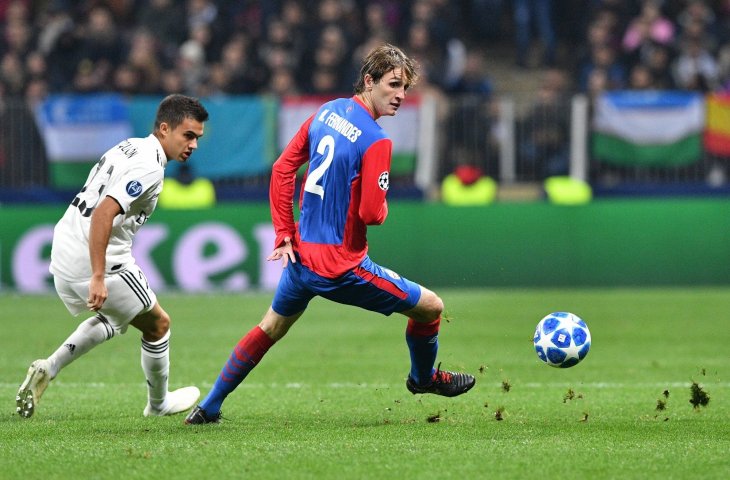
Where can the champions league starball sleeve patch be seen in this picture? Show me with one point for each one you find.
(383, 181)
(134, 188)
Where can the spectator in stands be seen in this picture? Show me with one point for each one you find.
(23, 161)
(163, 19)
(484, 18)
(603, 57)
(59, 43)
(294, 17)
(282, 83)
(171, 82)
(649, 26)
(18, 35)
(641, 78)
(597, 83)
(127, 79)
(658, 58)
(538, 13)
(12, 73)
(695, 68)
(376, 22)
(473, 76)
(697, 12)
(425, 51)
(35, 65)
(101, 43)
(191, 64)
(543, 133)
(438, 18)
(36, 91)
(723, 65)
(144, 57)
(468, 130)
(186, 191)
(245, 72)
(201, 13)
(278, 49)
(325, 81)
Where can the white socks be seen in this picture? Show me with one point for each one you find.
(96, 330)
(156, 367)
(90, 333)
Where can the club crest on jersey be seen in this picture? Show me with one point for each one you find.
(134, 188)
(383, 181)
(392, 274)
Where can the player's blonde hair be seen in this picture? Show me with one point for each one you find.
(382, 60)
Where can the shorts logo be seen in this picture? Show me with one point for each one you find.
(134, 188)
(383, 181)
(392, 274)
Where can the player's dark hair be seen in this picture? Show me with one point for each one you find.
(175, 108)
(384, 59)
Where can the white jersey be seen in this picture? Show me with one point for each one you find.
(132, 173)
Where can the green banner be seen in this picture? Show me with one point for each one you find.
(605, 243)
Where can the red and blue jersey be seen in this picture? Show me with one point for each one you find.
(343, 190)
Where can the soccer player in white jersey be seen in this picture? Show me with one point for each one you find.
(92, 263)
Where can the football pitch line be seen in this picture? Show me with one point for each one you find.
(352, 385)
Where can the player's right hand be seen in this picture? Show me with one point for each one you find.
(285, 252)
(97, 294)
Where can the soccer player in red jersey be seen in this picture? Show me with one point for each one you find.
(325, 254)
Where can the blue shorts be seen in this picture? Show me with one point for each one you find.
(367, 286)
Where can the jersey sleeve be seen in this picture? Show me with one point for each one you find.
(135, 184)
(283, 182)
(375, 173)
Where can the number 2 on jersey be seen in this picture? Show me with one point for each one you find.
(325, 147)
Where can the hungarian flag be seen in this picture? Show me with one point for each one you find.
(648, 128)
(717, 134)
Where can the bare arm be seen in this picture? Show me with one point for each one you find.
(99, 233)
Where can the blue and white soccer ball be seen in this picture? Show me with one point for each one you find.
(562, 339)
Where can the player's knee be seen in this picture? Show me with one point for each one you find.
(275, 325)
(157, 328)
(436, 306)
(429, 308)
(162, 325)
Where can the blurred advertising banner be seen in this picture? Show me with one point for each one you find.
(192, 250)
(224, 249)
(648, 128)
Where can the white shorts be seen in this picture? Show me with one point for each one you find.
(129, 295)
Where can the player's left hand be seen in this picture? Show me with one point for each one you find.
(285, 252)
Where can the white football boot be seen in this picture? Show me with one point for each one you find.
(177, 401)
(30, 391)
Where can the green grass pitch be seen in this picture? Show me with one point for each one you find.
(329, 401)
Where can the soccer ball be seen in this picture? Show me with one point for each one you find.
(562, 339)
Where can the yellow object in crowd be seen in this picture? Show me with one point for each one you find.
(200, 193)
(455, 192)
(563, 190)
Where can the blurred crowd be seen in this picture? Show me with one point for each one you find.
(207, 47)
(289, 47)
